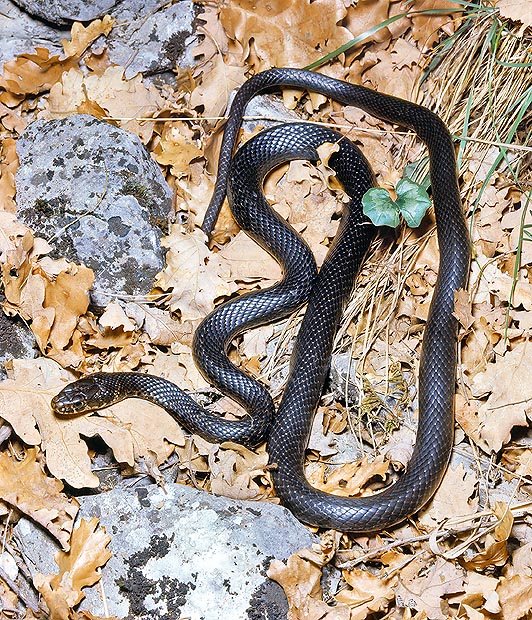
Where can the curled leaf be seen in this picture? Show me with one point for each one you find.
(380, 208)
(412, 201)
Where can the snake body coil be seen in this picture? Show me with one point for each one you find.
(327, 294)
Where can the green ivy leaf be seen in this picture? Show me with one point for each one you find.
(377, 204)
(412, 200)
(412, 203)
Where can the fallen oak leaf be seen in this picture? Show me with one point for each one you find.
(283, 34)
(34, 73)
(8, 167)
(111, 91)
(196, 276)
(300, 579)
(515, 596)
(427, 23)
(161, 328)
(81, 37)
(495, 551)
(177, 148)
(114, 317)
(422, 585)
(367, 593)
(350, 479)
(462, 308)
(77, 569)
(13, 231)
(452, 499)
(217, 83)
(24, 485)
(509, 403)
(37, 72)
(68, 295)
(249, 262)
(234, 469)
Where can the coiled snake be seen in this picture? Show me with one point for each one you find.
(288, 428)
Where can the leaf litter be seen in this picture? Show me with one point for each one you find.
(467, 553)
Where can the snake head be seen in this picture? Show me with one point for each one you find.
(83, 396)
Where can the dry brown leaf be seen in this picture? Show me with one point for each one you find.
(364, 15)
(177, 148)
(8, 168)
(214, 40)
(52, 294)
(216, 86)
(462, 308)
(111, 91)
(494, 548)
(68, 296)
(515, 595)
(367, 593)
(149, 428)
(495, 553)
(180, 369)
(349, 479)
(284, 34)
(308, 206)
(12, 120)
(24, 485)
(195, 276)
(235, 469)
(521, 561)
(395, 71)
(506, 383)
(423, 584)
(12, 237)
(78, 569)
(108, 337)
(425, 27)
(493, 281)
(114, 317)
(480, 594)
(81, 36)
(249, 262)
(161, 328)
(453, 497)
(300, 579)
(325, 152)
(34, 73)
(517, 10)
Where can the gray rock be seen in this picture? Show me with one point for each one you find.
(182, 553)
(62, 12)
(20, 33)
(94, 192)
(151, 36)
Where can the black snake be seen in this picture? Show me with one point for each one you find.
(288, 428)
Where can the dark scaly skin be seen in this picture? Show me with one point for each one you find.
(330, 291)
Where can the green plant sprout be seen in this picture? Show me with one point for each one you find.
(412, 203)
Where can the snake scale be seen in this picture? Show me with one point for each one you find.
(326, 293)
